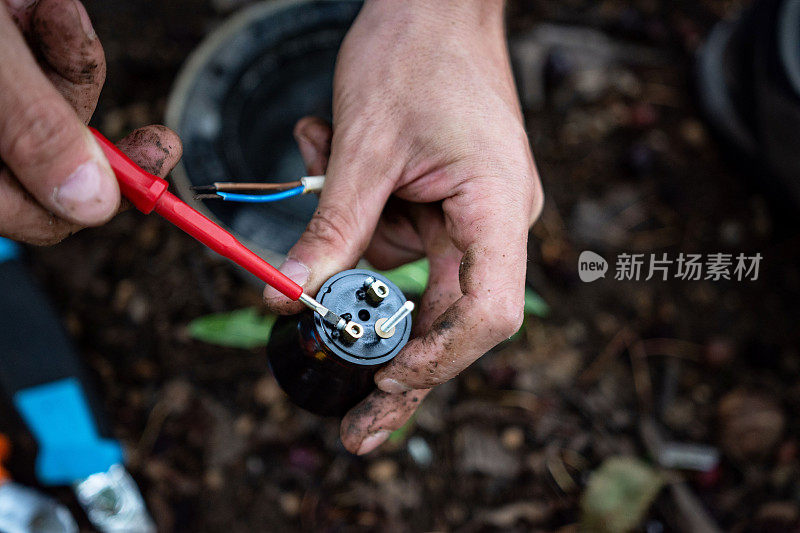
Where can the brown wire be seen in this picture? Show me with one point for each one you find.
(237, 186)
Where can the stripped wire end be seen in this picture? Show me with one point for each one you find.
(204, 188)
(206, 196)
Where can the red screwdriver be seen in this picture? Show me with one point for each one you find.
(149, 193)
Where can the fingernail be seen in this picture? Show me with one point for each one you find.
(83, 195)
(86, 22)
(392, 386)
(19, 4)
(295, 271)
(372, 441)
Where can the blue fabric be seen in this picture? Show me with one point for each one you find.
(8, 250)
(70, 449)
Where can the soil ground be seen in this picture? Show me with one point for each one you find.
(627, 166)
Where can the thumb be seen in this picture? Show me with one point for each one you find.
(341, 228)
(44, 143)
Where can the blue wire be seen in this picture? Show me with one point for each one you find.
(261, 198)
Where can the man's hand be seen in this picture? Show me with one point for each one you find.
(54, 179)
(425, 110)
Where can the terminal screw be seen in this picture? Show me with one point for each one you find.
(377, 291)
(352, 332)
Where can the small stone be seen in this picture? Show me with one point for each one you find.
(367, 519)
(694, 133)
(563, 367)
(178, 393)
(382, 471)
(751, 424)
(138, 309)
(627, 83)
(123, 294)
(506, 517)
(214, 479)
(591, 84)
(606, 323)
(279, 411)
(290, 503)
(420, 451)
(267, 391)
(244, 425)
(148, 234)
(481, 451)
(575, 332)
(719, 351)
(513, 438)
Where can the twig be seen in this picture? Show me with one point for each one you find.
(641, 375)
(613, 349)
(693, 516)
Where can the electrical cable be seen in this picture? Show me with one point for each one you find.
(232, 186)
(225, 190)
(260, 198)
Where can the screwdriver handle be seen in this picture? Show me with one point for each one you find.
(148, 193)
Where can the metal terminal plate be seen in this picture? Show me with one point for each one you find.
(345, 294)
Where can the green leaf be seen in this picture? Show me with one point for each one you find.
(618, 495)
(535, 304)
(244, 328)
(411, 278)
(401, 434)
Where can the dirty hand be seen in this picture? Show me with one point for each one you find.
(54, 179)
(425, 110)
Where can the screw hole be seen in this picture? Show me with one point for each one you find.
(363, 315)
